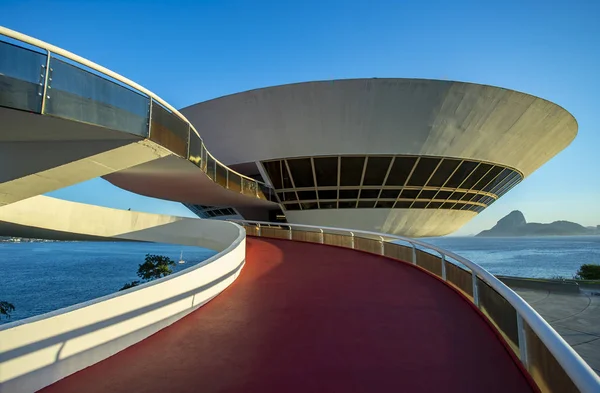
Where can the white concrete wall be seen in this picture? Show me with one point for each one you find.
(405, 222)
(384, 116)
(38, 351)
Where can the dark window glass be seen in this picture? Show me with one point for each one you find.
(424, 169)
(458, 206)
(327, 194)
(447, 205)
(389, 194)
(347, 204)
(498, 181)
(365, 204)
(400, 170)
(443, 195)
(477, 174)
(326, 169)
(309, 205)
(287, 196)
(377, 168)
(409, 194)
(509, 182)
(434, 205)
(479, 209)
(467, 197)
(369, 194)
(292, 206)
(347, 194)
(287, 180)
(457, 195)
(402, 205)
(427, 194)
(307, 195)
(488, 200)
(488, 178)
(443, 172)
(351, 171)
(419, 205)
(385, 204)
(273, 169)
(463, 171)
(328, 205)
(302, 173)
(478, 198)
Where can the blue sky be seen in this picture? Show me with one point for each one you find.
(188, 52)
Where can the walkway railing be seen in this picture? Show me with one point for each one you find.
(554, 365)
(59, 83)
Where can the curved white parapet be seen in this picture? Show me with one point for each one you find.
(39, 351)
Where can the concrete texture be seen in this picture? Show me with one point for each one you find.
(403, 222)
(39, 154)
(576, 317)
(384, 116)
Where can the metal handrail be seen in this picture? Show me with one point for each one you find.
(574, 366)
(76, 58)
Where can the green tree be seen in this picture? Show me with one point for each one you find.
(154, 266)
(588, 272)
(5, 309)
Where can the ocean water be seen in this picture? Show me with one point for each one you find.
(42, 277)
(541, 257)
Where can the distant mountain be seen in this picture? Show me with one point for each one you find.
(514, 225)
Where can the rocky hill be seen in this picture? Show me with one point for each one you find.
(514, 225)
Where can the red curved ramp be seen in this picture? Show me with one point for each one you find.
(304, 317)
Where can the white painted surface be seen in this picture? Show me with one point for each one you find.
(38, 351)
(385, 116)
(406, 222)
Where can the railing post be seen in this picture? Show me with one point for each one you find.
(290, 233)
(150, 118)
(321, 237)
(382, 250)
(522, 341)
(443, 266)
(46, 77)
(352, 239)
(475, 289)
(258, 230)
(414, 254)
(226, 177)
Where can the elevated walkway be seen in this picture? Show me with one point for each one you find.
(303, 317)
(66, 120)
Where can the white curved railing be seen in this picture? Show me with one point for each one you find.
(38, 351)
(573, 365)
(51, 49)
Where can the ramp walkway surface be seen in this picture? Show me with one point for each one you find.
(307, 317)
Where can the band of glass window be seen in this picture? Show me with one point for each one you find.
(210, 211)
(383, 181)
